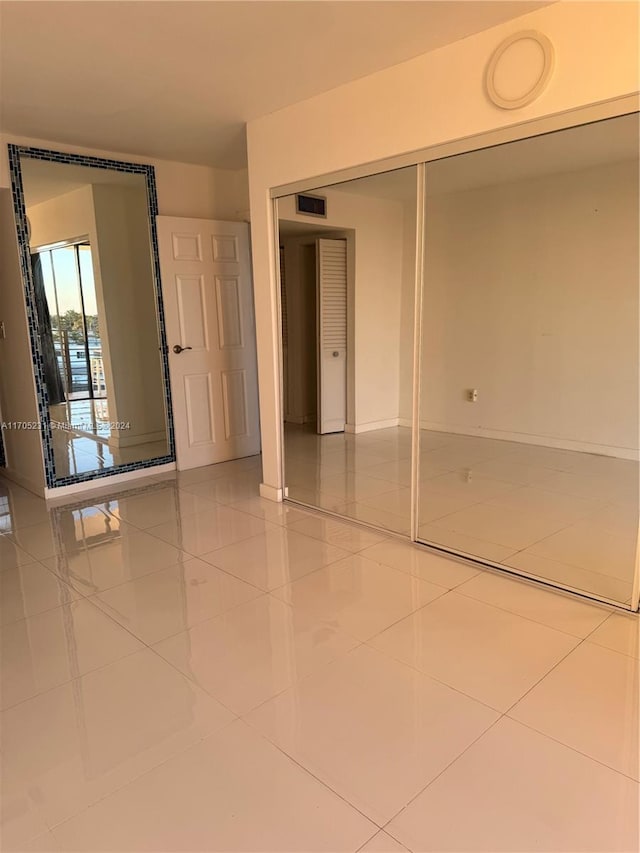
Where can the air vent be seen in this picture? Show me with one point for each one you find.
(311, 205)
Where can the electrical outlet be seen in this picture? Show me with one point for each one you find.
(472, 395)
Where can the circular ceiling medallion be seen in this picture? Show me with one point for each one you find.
(519, 69)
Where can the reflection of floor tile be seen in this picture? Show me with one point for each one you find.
(590, 702)
(512, 528)
(590, 546)
(464, 543)
(515, 790)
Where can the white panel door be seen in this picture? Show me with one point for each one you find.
(331, 276)
(208, 302)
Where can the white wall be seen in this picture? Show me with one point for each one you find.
(375, 232)
(433, 99)
(183, 189)
(531, 296)
(23, 448)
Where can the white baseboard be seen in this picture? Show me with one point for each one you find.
(127, 439)
(271, 493)
(369, 426)
(527, 438)
(103, 484)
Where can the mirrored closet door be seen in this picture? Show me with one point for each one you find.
(529, 387)
(526, 402)
(347, 269)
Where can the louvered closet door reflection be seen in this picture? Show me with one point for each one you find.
(332, 334)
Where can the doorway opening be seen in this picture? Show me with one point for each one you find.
(314, 295)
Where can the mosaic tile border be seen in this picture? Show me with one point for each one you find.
(15, 153)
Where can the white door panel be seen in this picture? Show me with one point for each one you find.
(331, 277)
(206, 283)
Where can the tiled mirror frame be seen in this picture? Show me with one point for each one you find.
(15, 152)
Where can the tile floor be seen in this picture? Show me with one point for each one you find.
(186, 667)
(565, 517)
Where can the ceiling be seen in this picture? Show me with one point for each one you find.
(179, 80)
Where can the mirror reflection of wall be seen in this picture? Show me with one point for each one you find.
(531, 301)
(347, 296)
(96, 311)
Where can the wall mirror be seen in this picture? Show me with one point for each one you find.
(88, 246)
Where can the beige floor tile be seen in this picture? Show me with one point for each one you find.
(213, 528)
(229, 489)
(232, 792)
(621, 632)
(374, 730)
(515, 790)
(117, 561)
(274, 558)
(562, 612)
(45, 843)
(397, 471)
(571, 577)
(254, 652)
(31, 589)
(382, 843)
(159, 506)
(590, 703)
(464, 484)
(358, 595)
(11, 555)
(418, 561)
(73, 745)
(51, 648)
(315, 498)
(282, 513)
(171, 600)
(335, 532)
(489, 654)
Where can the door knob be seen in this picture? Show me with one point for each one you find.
(178, 349)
